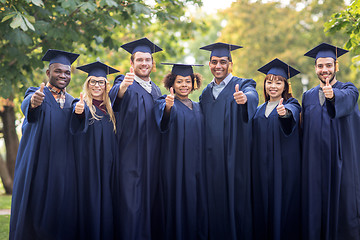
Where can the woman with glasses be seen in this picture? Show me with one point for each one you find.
(93, 123)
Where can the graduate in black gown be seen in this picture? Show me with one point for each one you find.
(44, 201)
(331, 152)
(94, 126)
(276, 157)
(136, 172)
(228, 104)
(182, 161)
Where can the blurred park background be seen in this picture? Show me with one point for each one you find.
(266, 29)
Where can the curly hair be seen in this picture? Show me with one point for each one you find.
(169, 80)
(285, 94)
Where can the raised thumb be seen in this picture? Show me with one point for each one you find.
(281, 101)
(236, 87)
(42, 87)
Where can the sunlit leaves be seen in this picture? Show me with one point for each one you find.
(38, 3)
(29, 27)
(347, 22)
(111, 3)
(20, 20)
(7, 17)
(28, 24)
(88, 6)
(140, 8)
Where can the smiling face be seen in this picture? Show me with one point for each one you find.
(274, 88)
(219, 67)
(142, 63)
(59, 75)
(182, 86)
(325, 69)
(97, 86)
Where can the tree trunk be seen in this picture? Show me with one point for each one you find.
(5, 177)
(10, 137)
(11, 142)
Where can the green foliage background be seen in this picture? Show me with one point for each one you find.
(97, 28)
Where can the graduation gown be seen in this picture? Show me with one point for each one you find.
(276, 170)
(227, 164)
(182, 171)
(136, 172)
(331, 164)
(44, 198)
(95, 150)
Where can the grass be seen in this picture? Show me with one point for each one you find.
(5, 203)
(4, 226)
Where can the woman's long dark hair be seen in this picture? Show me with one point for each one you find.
(285, 94)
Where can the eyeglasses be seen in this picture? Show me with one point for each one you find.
(101, 83)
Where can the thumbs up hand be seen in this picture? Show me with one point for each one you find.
(327, 89)
(128, 80)
(169, 100)
(281, 108)
(38, 97)
(79, 107)
(239, 96)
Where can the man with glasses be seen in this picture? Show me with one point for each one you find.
(228, 104)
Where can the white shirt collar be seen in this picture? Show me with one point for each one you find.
(144, 84)
(225, 81)
(139, 80)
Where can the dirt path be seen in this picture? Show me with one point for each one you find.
(4, 211)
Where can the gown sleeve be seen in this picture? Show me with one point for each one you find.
(162, 121)
(32, 114)
(344, 102)
(249, 108)
(289, 124)
(79, 122)
(115, 101)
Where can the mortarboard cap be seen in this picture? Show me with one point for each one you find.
(220, 49)
(141, 45)
(324, 50)
(97, 69)
(279, 68)
(58, 56)
(182, 69)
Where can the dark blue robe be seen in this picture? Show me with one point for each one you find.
(276, 171)
(95, 152)
(44, 201)
(227, 149)
(136, 172)
(331, 164)
(182, 171)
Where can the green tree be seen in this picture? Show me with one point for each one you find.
(272, 29)
(94, 28)
(347, 23)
